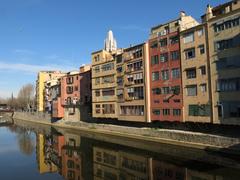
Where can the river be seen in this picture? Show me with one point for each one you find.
(29, 151)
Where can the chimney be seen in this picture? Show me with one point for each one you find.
(182, 14)
(209, 13)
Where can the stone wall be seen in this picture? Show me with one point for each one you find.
(33, 116)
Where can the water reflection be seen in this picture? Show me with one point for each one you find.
(77, 157)
(25, 139)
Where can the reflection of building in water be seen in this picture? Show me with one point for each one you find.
(71, 158)
(196, 175)
(43, 152)
(167, 171)
(58, 143)
(114, 164)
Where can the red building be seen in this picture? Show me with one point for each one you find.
(73, 96)
(166, 99)
(165, 73)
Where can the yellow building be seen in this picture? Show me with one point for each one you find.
(44, 164)
(195, 74)
(42, 77)
(104, 100)
(223, 26)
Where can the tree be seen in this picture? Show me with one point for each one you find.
(26, 96)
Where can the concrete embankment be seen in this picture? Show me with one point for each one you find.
(174, 137)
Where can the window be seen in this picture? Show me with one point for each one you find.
(174, 39)
(190, 53)
(107, 79)
(69, 89)
(119, 69)
(221, 26)
(119, 81)
(98, 108)
(137, 65)
(119, 58)
(97, 93)
(165, 100)
(97, 81)
(191, 73)
(164, 57)
(108, 67)
(156, 111)
(108, 108)
(120, 93)
(224, 85)
(165, 90)
(176, 112)
(154, 44)
(203, 87)
(138, 78)
(201, 49)
(174, 55)
(200, 32)
(97, 69)
(108, 92)
(155, 76)
(175, 90)
(189, 37)
(177, 100)
(203, 70)
(166, 112)
(229, 109)
(223, 44)
(70, 174)
(165, 74)
(96, 58)
(70, 164)
(176, 73)
(156, 91)
(199, 110)
(137, 53)
(132, 110)
(154, 60)
(69, 80)
(163, 42)
(192, 90)
(193, 110)
(228, 62)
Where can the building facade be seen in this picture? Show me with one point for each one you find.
(223, 26)
(165, 69)
(76, 94)
(132, 83)
(104, 101)
(42, 77)
(195, 72)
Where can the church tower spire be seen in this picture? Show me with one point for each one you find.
(110, 43)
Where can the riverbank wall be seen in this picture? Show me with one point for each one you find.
(173, 137)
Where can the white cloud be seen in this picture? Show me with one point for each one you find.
(24, 51)
(31, 68)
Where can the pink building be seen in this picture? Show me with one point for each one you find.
(75, 98)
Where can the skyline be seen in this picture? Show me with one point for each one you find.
(38, 35)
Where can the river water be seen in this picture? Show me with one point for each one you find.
(29, 151)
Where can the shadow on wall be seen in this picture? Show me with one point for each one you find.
(228, 80)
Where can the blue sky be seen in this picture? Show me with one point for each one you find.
(61, 34)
